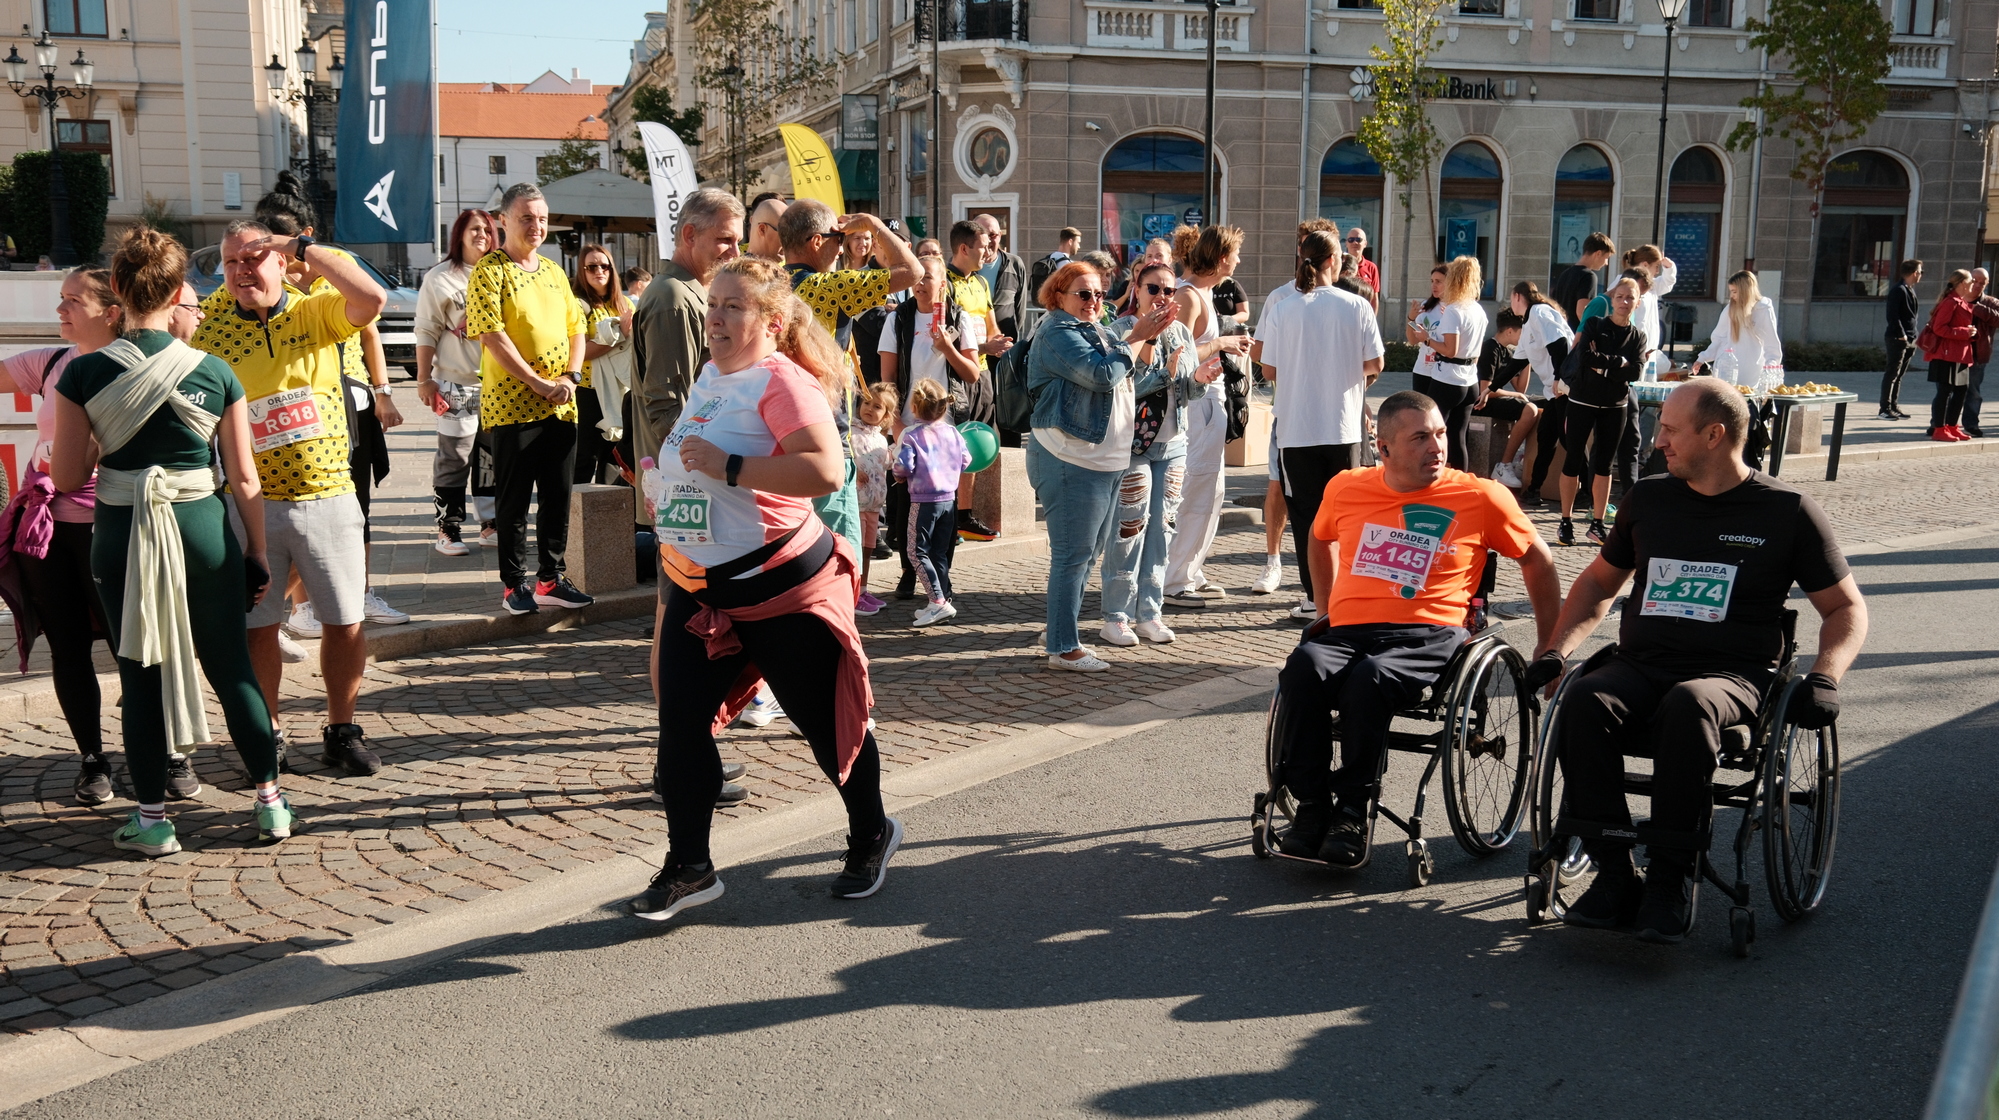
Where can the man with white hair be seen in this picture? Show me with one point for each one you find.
(1984, 317)
(1007, 275)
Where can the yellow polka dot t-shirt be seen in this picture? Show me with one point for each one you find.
(290, 369)
(540, 314)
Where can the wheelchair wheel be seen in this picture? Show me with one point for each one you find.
(1557, 862)
(1489, 744)
(1801, 799)
(1280, 800)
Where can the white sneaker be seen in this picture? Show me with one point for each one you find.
(1211, 590)
(375, 610)
(1189, 599)
(1153, 630)
(290, 652)
(1306, 609)
(760, 713)
(934, 613)
(1088, 663)
(1118, 633)
(303, 623)
(489, 537)
(448, 547)
(1507, 475)
(1273, 575)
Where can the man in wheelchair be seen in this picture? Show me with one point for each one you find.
(1412, 535)
(1719, 546)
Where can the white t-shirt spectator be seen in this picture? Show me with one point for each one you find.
(1466, 320)
(925, 360)
(1318, 342)
(1647, 315)
(1429, 322)
(1544, 327)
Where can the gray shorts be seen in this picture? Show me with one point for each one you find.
(322, 539)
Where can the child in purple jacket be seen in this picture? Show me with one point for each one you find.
(931, 456)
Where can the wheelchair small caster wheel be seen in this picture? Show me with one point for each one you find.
(1259, 827)
(1421, 864)
(1741, 929)
(1535, 914)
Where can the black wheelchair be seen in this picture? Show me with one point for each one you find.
(1784, 778)
(1483, 738)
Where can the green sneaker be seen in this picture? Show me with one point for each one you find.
(158, 840)
(274, 822)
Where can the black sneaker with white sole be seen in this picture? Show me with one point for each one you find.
(867, 862)
(181, 782)
(520, 600)
(344, 747)
(284, 757)
(559, 592)
(93, 780)
(674, 889)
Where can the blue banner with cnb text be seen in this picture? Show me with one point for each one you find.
(387, 136)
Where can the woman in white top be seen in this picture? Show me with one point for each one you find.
(447, 378)
(1423, 318)
(1745, 337)
(1211, 259)
(1456, 339)
(1664, 275)
(1544, 341)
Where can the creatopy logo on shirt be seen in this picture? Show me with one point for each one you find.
(1743, 541)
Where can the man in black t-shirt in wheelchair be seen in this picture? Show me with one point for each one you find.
(1717, 547)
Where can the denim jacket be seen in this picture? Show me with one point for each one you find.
(1175, 353)
(1070, 374)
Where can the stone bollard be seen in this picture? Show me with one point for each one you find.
(1806, 433)
(1003, 498)
(600, 557)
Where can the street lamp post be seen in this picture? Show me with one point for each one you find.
(1208, 137)
(61, 252)
(313, 96)
(1671, 10)
(732, 78)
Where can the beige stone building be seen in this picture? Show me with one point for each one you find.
(181, 106)
(1090, 113)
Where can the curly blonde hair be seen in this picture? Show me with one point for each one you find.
(1463, 280)
(799, 336)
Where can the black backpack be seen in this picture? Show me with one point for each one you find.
(1038, 274)
(1012, 401)
(1235, 383)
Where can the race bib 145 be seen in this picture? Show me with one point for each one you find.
(1401, 556)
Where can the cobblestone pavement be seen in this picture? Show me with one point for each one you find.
(522, 759)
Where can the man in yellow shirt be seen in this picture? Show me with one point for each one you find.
(530, 330)
(971, 244)
(284, 348)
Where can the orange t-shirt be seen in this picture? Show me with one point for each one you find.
(1417, 557)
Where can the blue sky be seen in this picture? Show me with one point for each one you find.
(515, 40)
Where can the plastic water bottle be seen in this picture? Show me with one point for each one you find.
(653, 481)
(1773, 376)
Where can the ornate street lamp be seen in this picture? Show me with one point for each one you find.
(82, 74)
(313, 95)
(1672, 10)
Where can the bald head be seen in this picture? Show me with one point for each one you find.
(1709, 401)
(1979, 279)
(762, 236)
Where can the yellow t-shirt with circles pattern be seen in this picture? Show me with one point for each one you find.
(591, 317)
(353, 357)
(848, 291)
(297, 348)
(540, 314)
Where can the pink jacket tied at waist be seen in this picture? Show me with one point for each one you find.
(830, 596)
(27, 525)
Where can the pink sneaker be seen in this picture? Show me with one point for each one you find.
(867, 604)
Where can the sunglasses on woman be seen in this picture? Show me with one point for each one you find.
(1158, 289)
(1088, 295)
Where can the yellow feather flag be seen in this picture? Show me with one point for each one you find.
(814, 174)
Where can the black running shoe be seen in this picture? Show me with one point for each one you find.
(970, 528)
(881, 552)
(1309, 826)
(1565, 534)
(344, 747)
(1611, 902)
(93, 780)
(732, 794)
(867, 863)
(561, 593)
(181, 782)
(675, 889)
(284, 758)
(1597, 533)
(905, 588)
(1668, 910)
(520, 600)
(1346, 842)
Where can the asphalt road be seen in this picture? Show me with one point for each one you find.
(1093, 937)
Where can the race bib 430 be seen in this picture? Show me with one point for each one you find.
(1401, 556)
(1688, 589)
(682, 518)
(285, 418)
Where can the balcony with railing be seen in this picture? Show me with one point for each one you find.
(975, 20)
(1918, 56)
(1165, 25)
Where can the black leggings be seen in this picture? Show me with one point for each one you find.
(593, 451)
(59, 588)
(1306, 472)
(215, 607)
(1455, 402)
(1947, 407)
(797, 654)
(1548, 435)
(1604, 423)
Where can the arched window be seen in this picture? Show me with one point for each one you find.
(1693, 221)
(1468, 211)
(1861, 227)
(1584, 183)
(1350, 187)
(1152, 182)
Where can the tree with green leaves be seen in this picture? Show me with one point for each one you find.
(1398, 133)
(1837, 56)
(573, 156)
(760, 68)
(654, 105)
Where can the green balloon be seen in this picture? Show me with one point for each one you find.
(982, 442)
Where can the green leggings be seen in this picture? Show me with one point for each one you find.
(215, 607)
